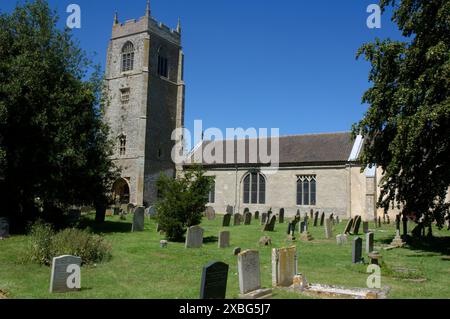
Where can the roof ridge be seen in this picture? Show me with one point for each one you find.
(280, 136)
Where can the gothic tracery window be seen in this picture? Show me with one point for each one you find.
(128, 57)
(306, 190)
(254, 188)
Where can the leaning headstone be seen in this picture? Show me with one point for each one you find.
(66, 276)
(369, 242)
(270, 226)
(322, 219)
(130, 208)
(311, 214)
(226, 220)
(356, 225)
(138, 219)
(210, 213)
(348, 227)
(194, 237)
(246, 210)
(237, 219)
(284, 266)
(257, 215)
(281, 216)
(365, 227)
(356, 250)
(224, 239)
(316, 217)
(250, 276)
(4, 227)
(328, 229)
(214, 281)
(247, 218)
(236, 251)
(230, 210)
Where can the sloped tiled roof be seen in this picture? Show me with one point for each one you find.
(306, 149)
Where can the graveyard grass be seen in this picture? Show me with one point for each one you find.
(139, 268)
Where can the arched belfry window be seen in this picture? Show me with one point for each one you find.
(122, 145)
(254, 188)
(127, 57)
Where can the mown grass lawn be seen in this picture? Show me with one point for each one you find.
(139, 268)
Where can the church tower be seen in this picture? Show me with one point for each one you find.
(144, 78)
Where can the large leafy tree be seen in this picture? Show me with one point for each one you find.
(407, 125)
(54, 147)
(182, 201)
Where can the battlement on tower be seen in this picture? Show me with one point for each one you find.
(146, 24)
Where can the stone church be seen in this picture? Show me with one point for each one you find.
(144, 76)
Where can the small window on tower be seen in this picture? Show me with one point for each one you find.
(125, 95)
(163, 69)
(122, 145)
(128, 57)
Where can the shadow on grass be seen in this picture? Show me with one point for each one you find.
(211, 239)
(440, 245)
(106, 227)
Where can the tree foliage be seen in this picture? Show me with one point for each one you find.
(53, 144)
(182, 201)
(407, 125)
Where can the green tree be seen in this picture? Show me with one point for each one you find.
(182, 201)
(53, 144)
(407, 125)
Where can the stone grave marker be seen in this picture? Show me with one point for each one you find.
(281, 216)
(138, 219)
(247, 218)
(365, 227)
(66, 274)
(357, 250)
(328, 229)
(356, 225)
(230, 210)
(246, 210)
(194, 237)
(348, 227)
(226, 220)
(284, 266)
(379, 222)
(311, 214)
(237, 219)
(224, 239)
(214, 281)
(4, 227)
(302, 227)
(322, 219)
(270, 226)
(249, 271)
(257, 215)
(369, 242)
(263, 218)
(130, 208)
(316, 217)
(210, 213)
(236, 251)
(388, 219)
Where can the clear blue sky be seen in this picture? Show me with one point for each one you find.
(287, 64)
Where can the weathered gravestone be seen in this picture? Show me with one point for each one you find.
(311, 214)
(257, 215)
(237, 219)
(303, 227)
(4, 227)
(281, 216)
(246, 210)
(230, 210)
(337, 220)
(152, 212)
(348, 227)
(116, 211)
(332, 219)
(66, 274)
(138, 219)
(163, 243)
(356, 225)
(250, 276)
(340, 239)
(214, 281)
(389, 220)
(365, 227)
(270, 226)
(247, 218)
(269, 214)
(224, 239)
(236, 251)
(322, 219)
(226, 220)
(265, 241)
(130, 208)
(194, 237)
(284, 266)
(316, 217)
(210, 213)
(369, 242)
(263, 218)
(357, 250)
(328, 229)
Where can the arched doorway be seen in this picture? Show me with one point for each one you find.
(121, 191)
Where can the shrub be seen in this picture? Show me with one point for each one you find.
(182, 202)
(46, 244)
